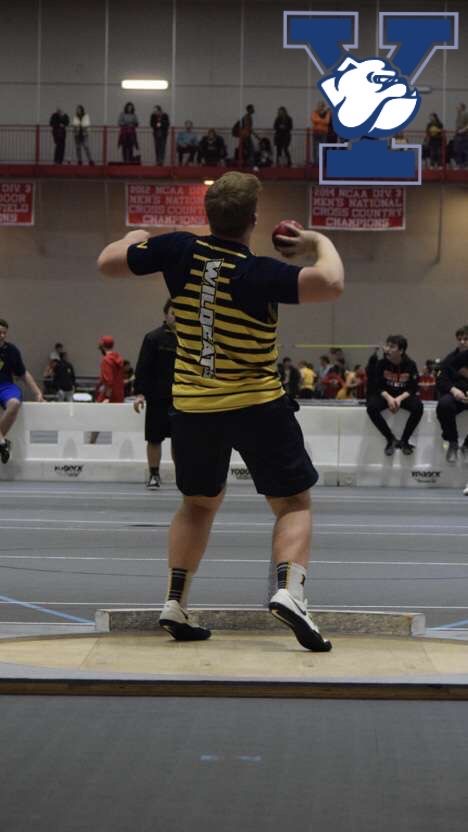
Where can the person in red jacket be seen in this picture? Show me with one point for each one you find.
(110, 387)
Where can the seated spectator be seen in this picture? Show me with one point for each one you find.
(332, 382)
(59, 122)
(264, 154)
(361, 376)
(64, 378)
(350, 385)
(129, 378)
(81, 124)
(427, 382)
(186, 143)
(461, 336)
(159, 123)
(283, 126)
(212, 148)
(307, 381)
(452, 386)
(396, 385)
(128, 140)
(290, 377)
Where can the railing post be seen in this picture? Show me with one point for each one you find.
(173, 147)
(307, 149)
(104, 145)
(37, 150)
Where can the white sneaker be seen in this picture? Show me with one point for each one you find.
(466, 490)
(294, 614)
(176, 621)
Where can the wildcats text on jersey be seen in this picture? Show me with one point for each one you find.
(207, 315)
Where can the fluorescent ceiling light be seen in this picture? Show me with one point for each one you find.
(145, 85)
(208, 182)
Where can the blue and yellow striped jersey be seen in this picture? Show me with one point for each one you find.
(226, 305)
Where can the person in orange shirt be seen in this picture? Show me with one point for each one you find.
(320, 119)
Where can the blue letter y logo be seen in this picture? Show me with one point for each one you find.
(371, 98)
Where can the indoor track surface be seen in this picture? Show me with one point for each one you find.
(68, 549)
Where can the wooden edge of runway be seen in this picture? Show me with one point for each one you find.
(235, 689)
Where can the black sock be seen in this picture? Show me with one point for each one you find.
(179, 583)
(154, 470)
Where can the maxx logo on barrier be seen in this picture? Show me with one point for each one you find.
(373, 98)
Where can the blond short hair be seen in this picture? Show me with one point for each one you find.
(231, 203)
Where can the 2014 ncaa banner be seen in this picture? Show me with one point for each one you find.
(357, 209)
(165, 206)
(17, 203)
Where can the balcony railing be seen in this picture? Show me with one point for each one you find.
(34, 145)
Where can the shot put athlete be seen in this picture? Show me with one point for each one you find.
(226, 391)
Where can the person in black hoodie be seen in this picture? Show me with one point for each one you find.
(452, 386)
(153, 384)
(159, 123)
(396, 386)
(59, 122)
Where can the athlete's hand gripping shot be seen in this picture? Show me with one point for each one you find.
(227, 393)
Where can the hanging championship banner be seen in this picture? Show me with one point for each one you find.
(165, 206)
(17, 203)
(357, 209)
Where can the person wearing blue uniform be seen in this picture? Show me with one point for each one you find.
(11, 368)
(227, 392)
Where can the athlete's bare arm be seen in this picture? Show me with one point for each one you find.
(112, 260)
(324, 281)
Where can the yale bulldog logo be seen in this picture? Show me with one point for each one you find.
(372, 98)
(369, 98)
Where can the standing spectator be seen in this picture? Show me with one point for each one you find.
(56, 353)
(246, 131)
(361, 377)
(129, 379)
(128, 140)
(307, 382)
(59, 122)
(460, 140)
(452, 385)
(11, 368)
(283, 126)
(338, 359)
(396, 386)
(350, 385)
(153, 385)
(110, 387)
(212, 148)
(324, 368)
(64, 379)
(187, 143)
(433, 140)
(332, 382)
(159, 123)
(427, 382)
(320, 126)
(264, 154)
(290, 378)
(81, 124)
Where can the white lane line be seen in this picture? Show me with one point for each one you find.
(318, 531)
(439, 498)
(209, 560)
(136, 604)
(234, 524)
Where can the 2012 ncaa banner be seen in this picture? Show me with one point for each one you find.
(17, 203)
(165, 206)
(357, 209)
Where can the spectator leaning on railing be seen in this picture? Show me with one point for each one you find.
(283, 126)
(81, 124)
(460, 141)
(59, 122)
(159, 123)
(128, 140)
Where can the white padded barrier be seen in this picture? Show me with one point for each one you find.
(51, 442)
